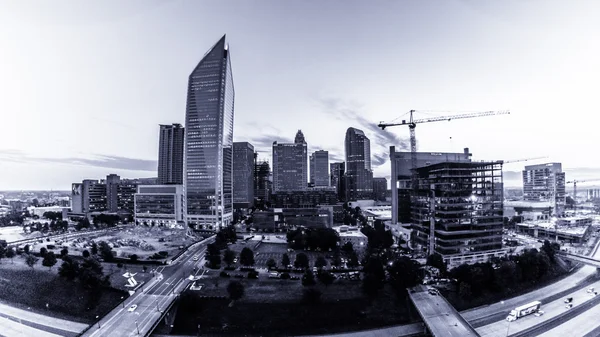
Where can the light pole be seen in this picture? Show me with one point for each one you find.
(137, 328)
(122, 302)
(98, 321)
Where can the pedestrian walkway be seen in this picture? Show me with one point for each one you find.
(42, 320)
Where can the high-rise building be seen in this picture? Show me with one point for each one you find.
(113, 195)
(338, 180)
(209, 140)
(545, 182)
(262, 184)
(359, 177)
(170, 154)
(290, 165)
(379, 189)
(112, 183)
(243, 175)
(400, 180)
(319, 168)
(466, 201)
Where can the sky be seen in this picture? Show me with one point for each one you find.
(84, 85)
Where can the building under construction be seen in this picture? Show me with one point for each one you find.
(463, 203)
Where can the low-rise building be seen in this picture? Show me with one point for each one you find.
(159, 205)
(551, 230)
(353, 235)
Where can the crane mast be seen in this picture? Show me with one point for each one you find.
(412, 125)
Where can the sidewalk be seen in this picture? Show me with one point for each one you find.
(10, 328)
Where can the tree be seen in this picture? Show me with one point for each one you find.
(337, 260)
(94, 249)
(10, 253)
(64, 252)
(106, 251)
(27, 249)
(404, 273)
(347, 247)
(325, 277)
(301, 261)
(247, 257)
(437, 261)
(134, 257)
(49, 260)
(85, 253)
(91, 274)
(43, 251)
(321, 262)
(464, 290)
(308, 279)
(371, 285)
(352, 260)
(271, 263)
(2, 251)
(228, 257)
(235, 290)
(31, 260)
(69, 269)
(285, 260)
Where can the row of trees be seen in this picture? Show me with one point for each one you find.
(322, 238)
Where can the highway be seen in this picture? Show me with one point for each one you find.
(153, 299)
(581, 325)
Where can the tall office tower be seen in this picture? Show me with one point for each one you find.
(170, 154)
(545, 182)
(209, 140)
(319, 168)
(290, 165)
(262, 184)
(112, 184)
(338, 180)
(359, 177)
(243, 175)
(379, 189)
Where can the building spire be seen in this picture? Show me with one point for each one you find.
(299, 138)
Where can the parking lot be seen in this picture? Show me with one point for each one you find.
(275, 251)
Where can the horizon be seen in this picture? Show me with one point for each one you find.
(119, 70)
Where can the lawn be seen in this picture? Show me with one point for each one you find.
(43, 291)
(273, 307)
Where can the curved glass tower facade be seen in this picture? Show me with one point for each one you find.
(209, 140)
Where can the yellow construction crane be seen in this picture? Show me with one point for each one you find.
(412, 124)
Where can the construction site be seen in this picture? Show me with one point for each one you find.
(462, 204)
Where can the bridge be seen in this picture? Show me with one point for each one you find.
(441, 319)
(579, 258)
(153, 300)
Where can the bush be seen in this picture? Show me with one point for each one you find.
(253, 274)
(230, 268)
(285, 276)
(224, 274)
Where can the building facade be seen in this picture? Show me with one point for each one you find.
(160, 205)
(545, 182)
(111, 195)
(290, 165)
(243, 175)
(359, 177)
(338, 179)
(379, 189)
(458, 208)
(208, 177)
(401, 168)
(312, 197)
(319, 168)
(262, 185)
(170, 154)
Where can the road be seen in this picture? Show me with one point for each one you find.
(581, 325)
(153, 299)
(32, 321)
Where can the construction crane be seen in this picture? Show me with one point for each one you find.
(574, 182)
(522, 159)
(412, 124)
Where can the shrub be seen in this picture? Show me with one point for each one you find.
(224, 274)
(253, 274)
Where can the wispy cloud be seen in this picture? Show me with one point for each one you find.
(352, 114)
(96, 160)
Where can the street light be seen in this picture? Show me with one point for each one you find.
(122, 301)
(137, 328)
(98, 321)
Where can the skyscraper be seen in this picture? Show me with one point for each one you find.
(243, 175)
(379, 189)
(359, 177)
(209, 140)
(338, 180)
(319, 168)
(170, 154)
(545, 182)
(290, 165)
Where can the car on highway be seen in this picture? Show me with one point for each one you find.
(569, 300)
(132, 308)
(195, 258)
(590, 290)
(569, 306)
(539, 313)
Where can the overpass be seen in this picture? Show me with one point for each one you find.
(441, 319)
(580, 258)
(153, 300)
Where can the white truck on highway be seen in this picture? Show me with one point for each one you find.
(523, 310)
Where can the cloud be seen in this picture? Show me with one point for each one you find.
(96, 160)
(352, 114)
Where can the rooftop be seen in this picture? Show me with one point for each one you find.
(533, 204)
(560, 229)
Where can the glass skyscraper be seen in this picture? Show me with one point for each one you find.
(209, 141)
(359, 177)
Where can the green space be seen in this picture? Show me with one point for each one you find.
(45, 292)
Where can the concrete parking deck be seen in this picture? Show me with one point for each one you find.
(441, 319)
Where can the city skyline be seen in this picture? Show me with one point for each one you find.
(476, 57)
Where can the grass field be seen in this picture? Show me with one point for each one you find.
(33, 289)
(283, 313)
